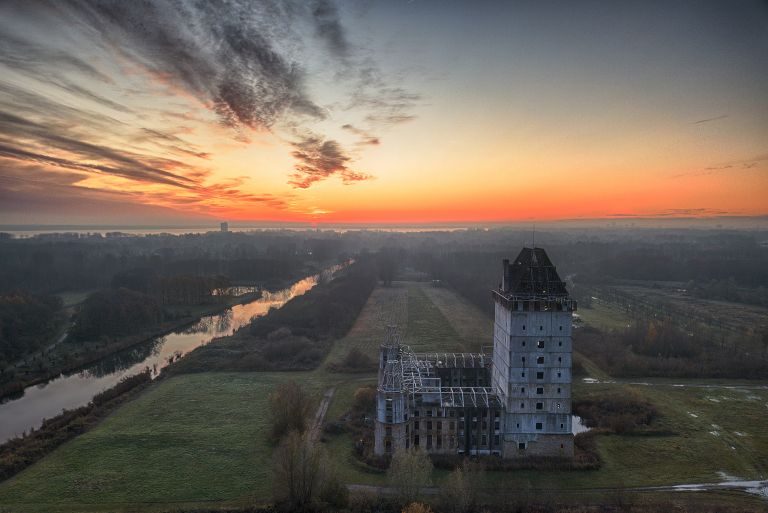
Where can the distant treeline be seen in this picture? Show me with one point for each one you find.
(651, 347)
(296, 336)
(55, 263)
(718, 264)
(728, 290)
(655, 349)
(27, 324)
(115, 312)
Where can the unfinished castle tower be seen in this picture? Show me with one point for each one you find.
(532, 352)
(513, 403)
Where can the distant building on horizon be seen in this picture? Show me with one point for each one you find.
(513, 403)
(224, 227)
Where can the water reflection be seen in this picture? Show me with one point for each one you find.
(70, 391)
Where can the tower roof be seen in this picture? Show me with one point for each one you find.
(532, 274)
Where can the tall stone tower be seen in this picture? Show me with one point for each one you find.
(532, 353)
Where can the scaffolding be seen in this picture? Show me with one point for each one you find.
(415, 374)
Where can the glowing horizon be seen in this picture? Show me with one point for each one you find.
(418, 112)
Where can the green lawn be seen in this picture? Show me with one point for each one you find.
(191, 439)
(386, 306)
(604, 316)
(428, 328)
(424, 317)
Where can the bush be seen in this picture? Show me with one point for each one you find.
(355, 361)
(616, 413)
(290, 407)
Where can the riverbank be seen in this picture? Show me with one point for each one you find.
(81, 355)
(74, 390)
(18, 453)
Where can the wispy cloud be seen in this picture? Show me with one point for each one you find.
(707, 120)
(365, 137)
(727, 167)
(678, 212)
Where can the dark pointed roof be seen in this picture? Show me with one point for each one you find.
(533, 274)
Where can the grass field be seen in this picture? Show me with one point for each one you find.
(470, 323)
(424, 315)
(191, 439)
(201, 440)
(604, 316)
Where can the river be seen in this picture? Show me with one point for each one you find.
(71, 391)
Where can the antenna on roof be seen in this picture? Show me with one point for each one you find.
(534, 235)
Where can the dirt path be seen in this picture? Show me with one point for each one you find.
(317, 422)
(759, 488)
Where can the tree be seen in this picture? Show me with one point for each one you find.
(417, 507)
(297, 470)
(290, 406)
(409, 472)
(461, 490)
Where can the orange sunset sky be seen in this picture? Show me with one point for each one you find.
(381, 112)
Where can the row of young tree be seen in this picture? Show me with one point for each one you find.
(296, 336)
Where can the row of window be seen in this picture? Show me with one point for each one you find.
(539, 406)
(540, 374)
(540, 426)
(541, 328)
(452, 426)
(540, 360)
(437, 412)
(539, 390)
(540, 343)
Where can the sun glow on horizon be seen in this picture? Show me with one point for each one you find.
(497, 113)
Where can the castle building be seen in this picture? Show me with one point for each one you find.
(513, 401)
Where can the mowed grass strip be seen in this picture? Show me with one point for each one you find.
(604, 316)
(387, 305)
(428, 329)
(193, 438)
(473, 326)
(428, 318)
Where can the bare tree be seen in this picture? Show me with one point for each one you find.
(409, 473)
(290, 406)
(297, 470)
(460, 493)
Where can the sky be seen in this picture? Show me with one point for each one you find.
(400, 111)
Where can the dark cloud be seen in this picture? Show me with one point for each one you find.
(37, 60)
(32, 185)
(385, 105)
(112, 161)
(329, 28)
(214, 50)
(318, 159)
